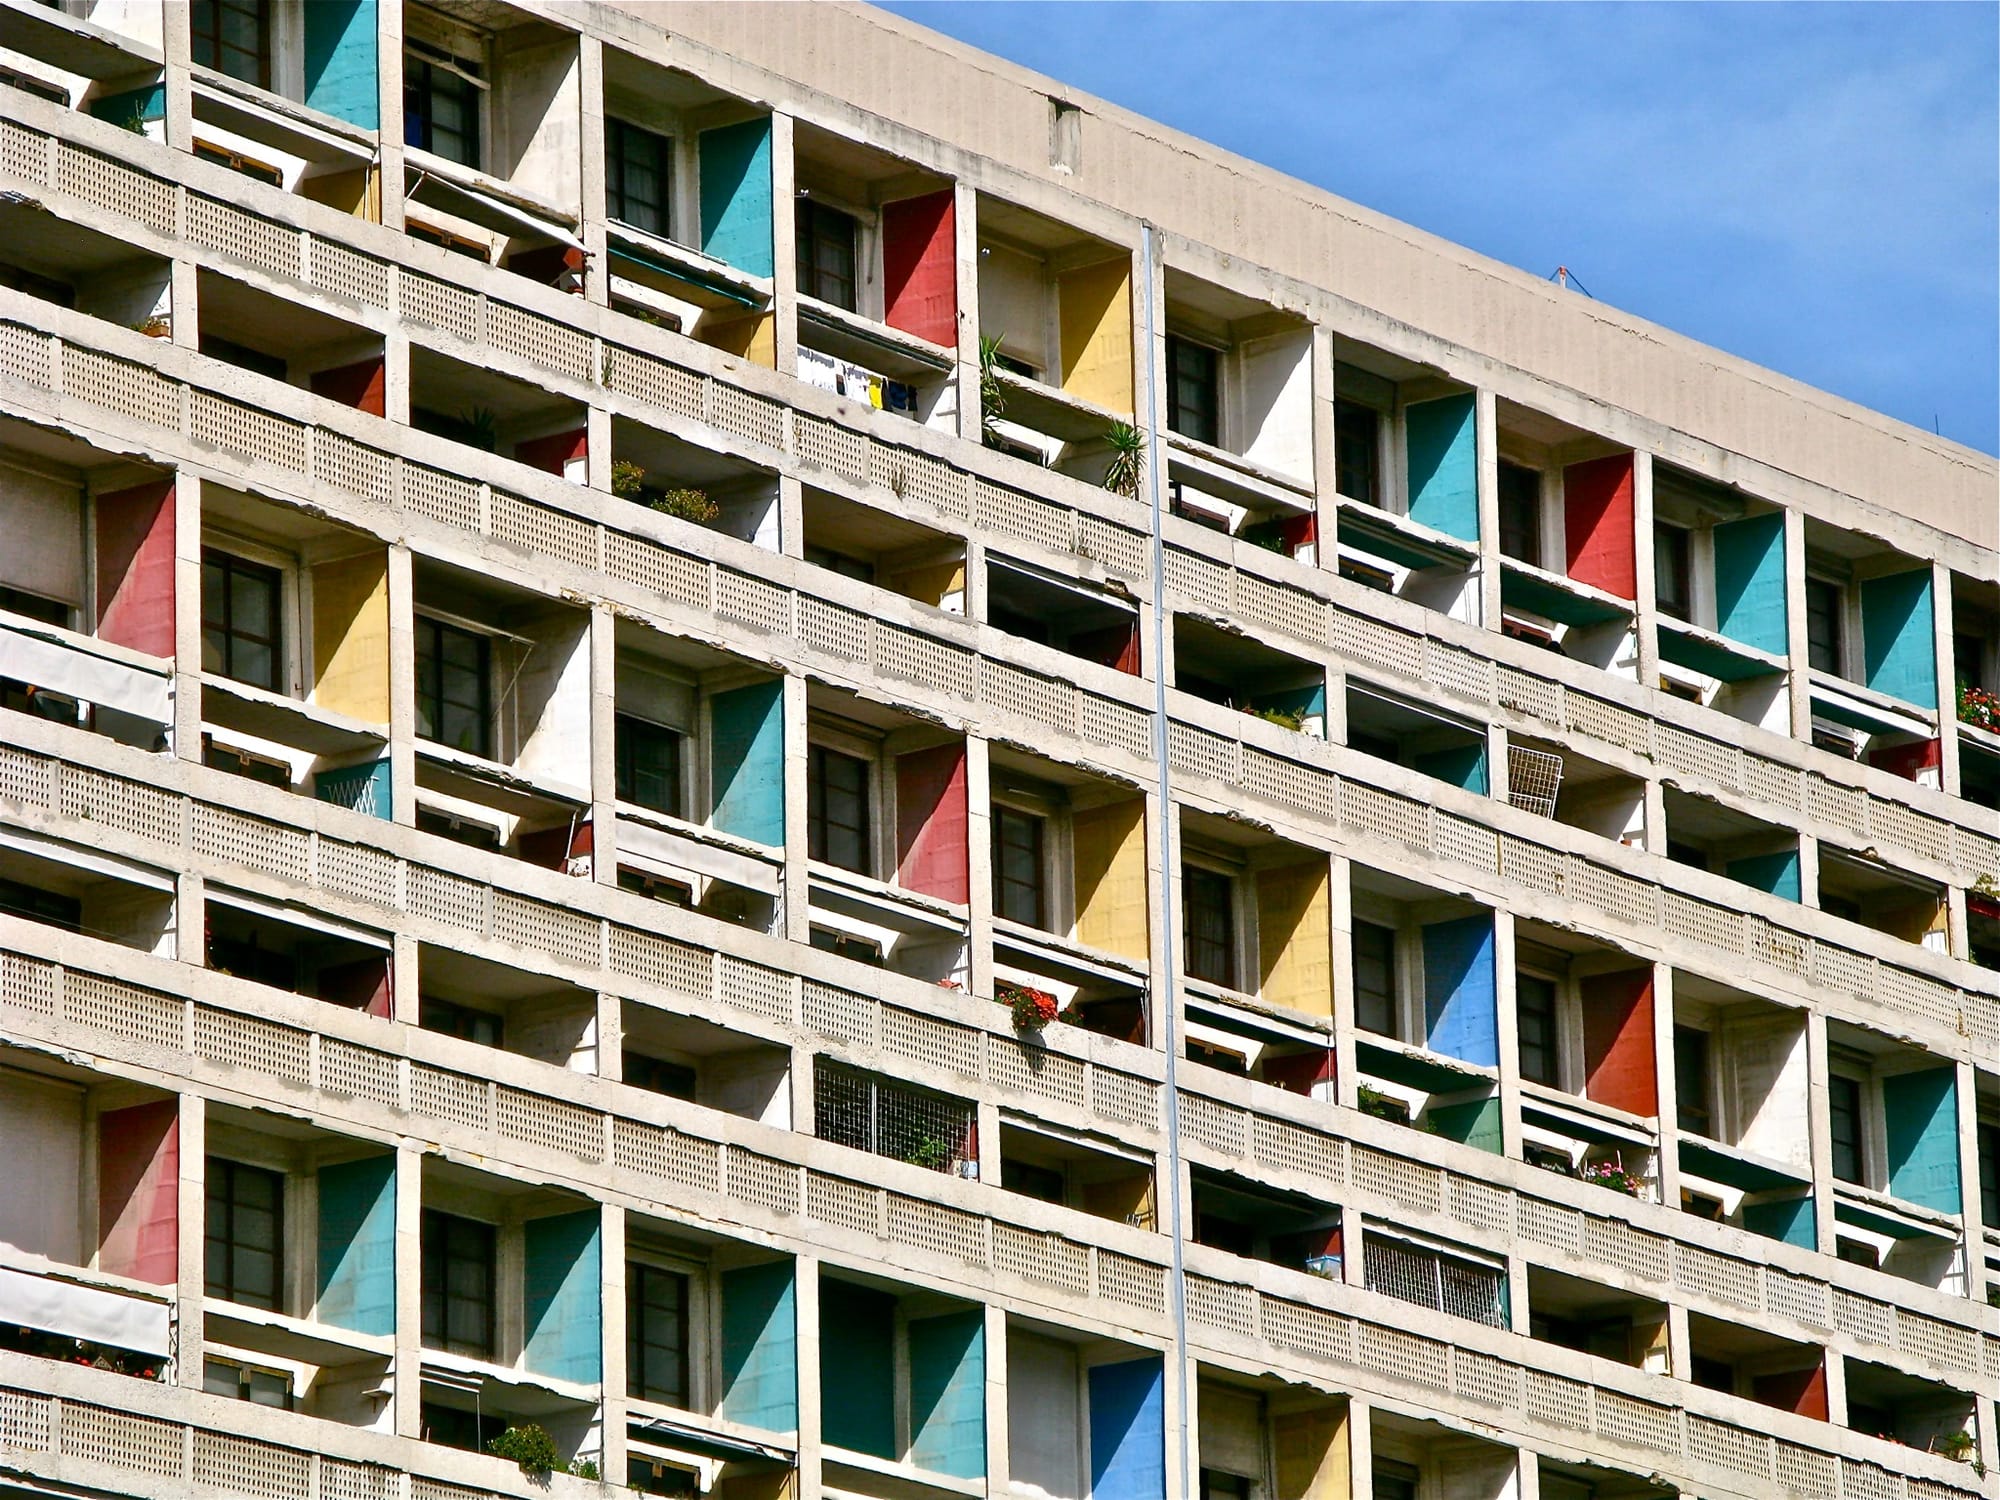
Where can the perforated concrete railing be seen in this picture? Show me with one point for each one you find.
(1120, 1102)
(677, 1170)
(972, 683)
(1315, 615)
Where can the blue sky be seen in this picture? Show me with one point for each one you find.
(1815, 187)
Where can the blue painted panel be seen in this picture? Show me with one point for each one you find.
(1461, 765)
(1777, 872)
(146, 103)
(1128, 1433)
(1920, 1121)
(362, 789)
(736, 195)
(340, 61)
(760, 1347)
(1898, 640)
(1750, 582)
(1790, 1220)
(948, 1394)
(563, 1288)
(1444, 466)
(857, 1368)
(357, 1245)
(747, 760)
(1460, 995)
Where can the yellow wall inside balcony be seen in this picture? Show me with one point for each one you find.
(753, 337)
(1095, 310)
(1312, 1454)
(928, 584)
(351, 636)
(1111, 899)
(1294, 938)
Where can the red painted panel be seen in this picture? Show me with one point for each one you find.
(549, 454)
(930, 823)
(1115, 646)
(1802, 1392)
(135, 568)
(920, 267)
(1299, 1071)
(360, 386)
(138, 1191)
(1618, 1041)
(362, 985)
(1908, 761)
(1597, 522)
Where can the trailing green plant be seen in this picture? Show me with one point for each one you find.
(1128, 457)
(584, 1468)
(930, 1152)
(992, 395)
(1372, 1101)
(688, 505)
(627, 478)
(528, 1445)
(1284, 718)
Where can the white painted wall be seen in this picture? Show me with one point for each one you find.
(42, 1123)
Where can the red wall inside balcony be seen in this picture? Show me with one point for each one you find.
(549, 454)
(931, 822)
(360, 386)
(1597, 522)
(1799, 1391)
(920, 267)
(1618, 1041)
(135, 568)
(138, 1191)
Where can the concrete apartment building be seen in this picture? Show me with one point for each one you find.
(581, 639)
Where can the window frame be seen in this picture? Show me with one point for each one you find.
(623, 788)
(617, 197)
(1677, 561)
(435, 1253)
(431, 626)
(1554, 1045)
(1377, 497)
(1834, 591)
(1209, 384)
(1003, 814)
(1197, 873)
(693, 1280)
(869, 794)
(276, 577)
(226, 1286)
(810, 235)
(266, 17)
(1848, 1079)
(1398, 970)
(1535, 552)
(429, 58)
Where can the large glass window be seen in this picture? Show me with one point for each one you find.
(837, 809)
(1375, 978)
(1691, 1081)
(649, 765)
(1356, 451)
(244, 1233)
(1017, 867)
(1208, 909)
(1535, 1021)
(441, 106)
(656, 1334)
(1673, 570)
(240, 604)
(638, 176)
(1843, 1109)
(454, 687)
(1193, 391)
(458, 1284)
(233, 37)
(1521, 514)
(825, 241)
(1823, 610)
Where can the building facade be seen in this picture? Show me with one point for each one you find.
(738, 737)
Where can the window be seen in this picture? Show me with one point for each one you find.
(1521, 514)
(837, 809)
(1356, 450)
(1843, 1108)
(19, 899)
(1194, 407)
(441, 105)
(1393, 1481)
(458, 1277)
(233, 37)
(1988, 1138)
(649, 765)
(1208, 914)
(223, 1377)
(835, 562)
(1691, 1079)
(638, 176)
(1017, 867)
(239, 619)
(658, 1076)
(1824, 603)
(1219, 1484)
(852, 1107)
(462, 1021)
(454, 687)
(1375, 978)
(1535, 1021)
(1442, 1283)
(1033, 1181)
(34, 606)
(656, 1334)
(825, 240)
(1673, 569)
(245, 1233)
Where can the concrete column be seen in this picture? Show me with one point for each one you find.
(998, 1473)
(603, 744)
(1527, 1475)
(396, 377)
(1182, 1424)
(406, 977)
(590, 163)
(389, 80)
(191, 1204)
(806, 1297)
(409, 1291)
(176, 40)
(1499, 786)
(187, 616)
(1965, 1084)
(784, 260)
(1808, 870)
(1646, 621)
(1947, 680)
(1162, 892)
(610, 1036)
(1486, 446)
(402, 686)
(1508, 1039)
(979, 866)
(1836, 1388)
(597, 448)
(1664, 1082)
(190, 918)
(1340, 907)
(791, 516)
(795, 921)
(1795, 622)
(1680, 1353)
(965, 232)
(1325, 473)
(611, 1414)
(1820, 1126)
(1360, 1448)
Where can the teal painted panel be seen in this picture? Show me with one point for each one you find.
(1920, 1121)
(1128, 1436)
(1777, 872)
(1790, 1221)
(747, 762)
(1750, 582)
(362, 789)
(340, 61)
(1461, 765)
(1461, 1006)
(1474, 1123)
(736, 195)
(147, 103)
(1898, 640)
(857, 1368)
(563, 1291)
(1444, 466)
(760, 1347)
(948, 1394)
(357, 1245)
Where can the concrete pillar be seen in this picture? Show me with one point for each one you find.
(389, 80)
(1664, 1082)
(603, 744)
(979, 867)
(1795, 622)
(806, 1297)
(1646, 621)
(1340, 906)
(965, 231)
(1486, 447)
(795, 921)
(191, 1205)
(402, 686)
(1965, 1086)
(1325, 473)
(176, 40)
(1360, 1448)
(1820, 1126)
(590, 164)
(405, 977)
(187, 616)
(611, 1414)
(409, 1291)
(1808, 870)
(1941, 615)
(998, 1473)
(784, 262)
(1508, 1040)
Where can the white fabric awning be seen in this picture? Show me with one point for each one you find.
(60, 667)
(84, 1312)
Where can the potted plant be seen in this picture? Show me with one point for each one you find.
(530, 1446)
(1032, 1009)
(1285, 718)
(686, 504)
(1128, 455)
(628, 479)
(1979, 708)
(1612, 1174)
(930, 1152)
(1371, 1101)
(992, 395)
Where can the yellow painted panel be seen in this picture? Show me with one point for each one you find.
(754, 337)
(1129, 1200)
(358, 192)
(1094, 306)
(351, 636)
(1111, 903)
(1295, 939)
(928, 585)
(1914, 921)
(1311, 1449)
